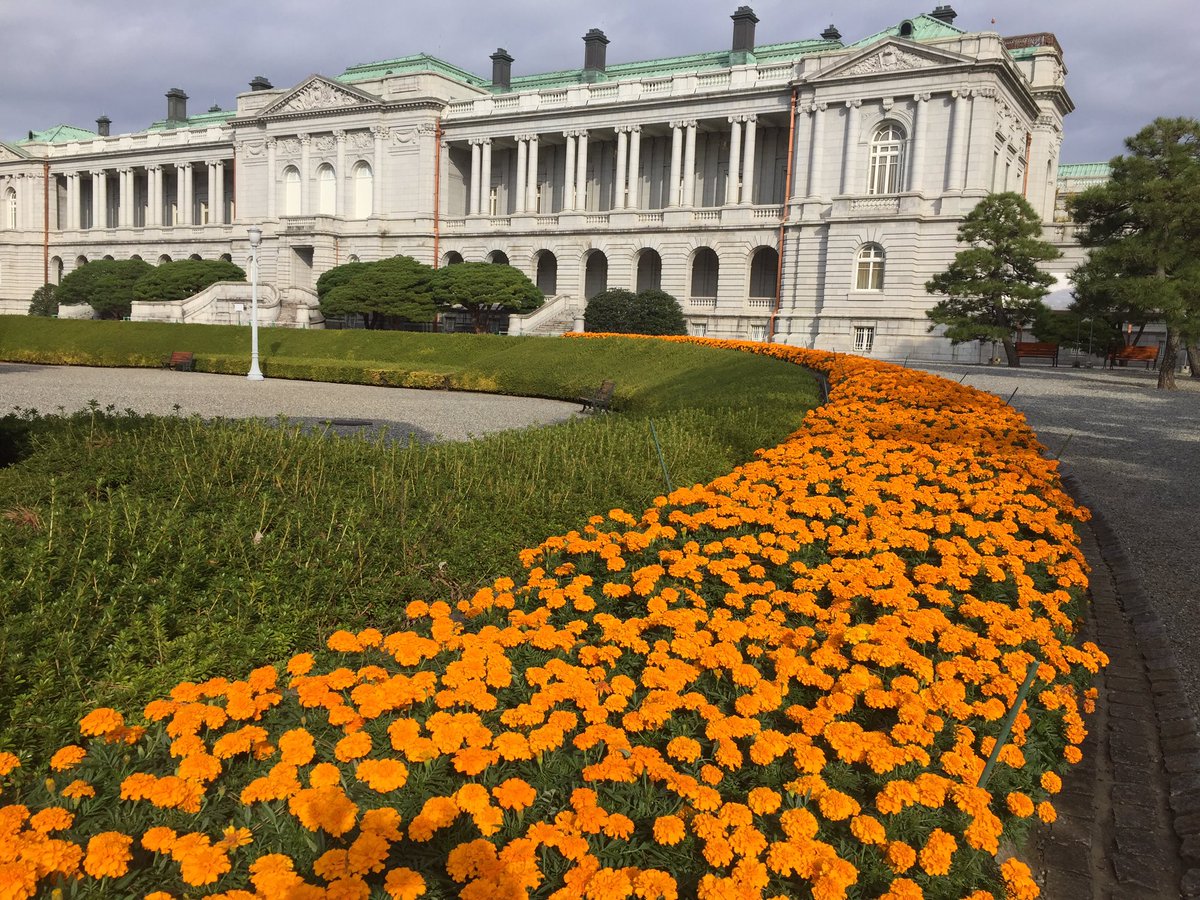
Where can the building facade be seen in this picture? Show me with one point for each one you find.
(800, 192)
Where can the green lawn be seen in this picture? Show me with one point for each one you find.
(138, 552)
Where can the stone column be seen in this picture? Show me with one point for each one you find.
(979, 150)
(72, 201)
(305, 174)
(377, 175)
(127, 201)
(633, 188)
(916, 163)
(569, 173)
(211, 166)
(581, 172)
(531, 182)
(272, 178)
(485, 179)
(99, 199)
(621, 176)
(154, 196)
(850, 153)
(689, 166)
(219, 171)
(522, 174)
(676, 162)
(816, 169)
(183, 192)
(476, 169)
(733, 183)
(342, 183)
(958, 140)
(748, 159)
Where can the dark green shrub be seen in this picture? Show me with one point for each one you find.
(107, 285)
(480, 286)
(43, 302)
(185, 278)
(619, 311)
(609, 312)
(399, 288)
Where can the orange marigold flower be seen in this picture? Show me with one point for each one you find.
(8, 762)
(232, 838)
(1046, 813)
(1018, 881)
(382, 775)
(108, 855)
(343, 642)
(66, 758)
(1072, 754)
(900, 856)
(325, 808)
(868, 830)
(201, 863)
(404, 884)
(324, 775)
(514, 794)
(1051, 783)
(903, 889)
(101, 721)
(669, 830)
(684, 749)
(1019, 804)
(938, 852)
(79, 789)
(301, 664)
(52, 818)
(763, 800)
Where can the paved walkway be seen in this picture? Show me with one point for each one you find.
(427, 415)
(1129, 817)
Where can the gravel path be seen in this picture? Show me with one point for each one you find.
(1136, 451)
(427, 415)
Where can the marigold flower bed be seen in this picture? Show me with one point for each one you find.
(785, 683)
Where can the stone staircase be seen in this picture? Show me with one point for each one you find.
(555, 317)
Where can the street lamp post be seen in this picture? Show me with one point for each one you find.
(255, 235)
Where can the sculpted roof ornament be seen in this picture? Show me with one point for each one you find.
(889, 59)
(891, 56)
(319, 93)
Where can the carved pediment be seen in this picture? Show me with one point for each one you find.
(317, 94)
(8, 154)
(888, 57)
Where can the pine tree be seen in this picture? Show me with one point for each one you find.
(994, 288)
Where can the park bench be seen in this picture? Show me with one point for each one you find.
(1038, 350)
(1147, 354)
(180, 361)
(601, 399)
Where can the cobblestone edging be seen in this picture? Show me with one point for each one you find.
(1133, 811)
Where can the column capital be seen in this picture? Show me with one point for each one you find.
(985, 93)
(961, 93)
(183, 166)
(271, 143)
(922, 97)
(735, 119)
(154, 167)
(888, 103)
(853, 104)
(97, 173)
(339, 135)
(379, 131)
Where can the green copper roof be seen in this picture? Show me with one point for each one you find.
(59, 134)
(200, 120)
(925, 28)
(1084, 170)
(417, 62)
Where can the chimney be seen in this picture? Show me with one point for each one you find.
(744, 21)
(831, 34)
(502, 69)
(260, 83)
(594, 43)
(102, 126)
(176, 105)
(944, 14)
(216, 107)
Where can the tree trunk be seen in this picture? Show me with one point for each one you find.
(1193, 358)
(477, 319)
(1010, 351)
(1166, 363)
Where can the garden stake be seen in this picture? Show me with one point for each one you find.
(1063, 448)
(964, 378)
(1006, 728)
(661, 460)
(1013, 394)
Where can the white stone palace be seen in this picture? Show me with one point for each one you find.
(800, 192)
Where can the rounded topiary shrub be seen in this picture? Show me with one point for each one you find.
(619, 311)
(609, 311)
(107, 285)
(185, 278)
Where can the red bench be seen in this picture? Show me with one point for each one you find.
(1038, 350)
(1148, 355)
(180, 361)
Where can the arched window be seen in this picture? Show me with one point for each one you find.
(10, 209)
(595, 275)
(353, 257)
(547, 273)
(195, 256)
(705, 269)
(764, 271)
(499, 257)
(56, 269)
(452, 258)
(649, 271)
(363, 190)
(869, 275)
(164, 259)
(326, 191)
(887, 160)
(291, 191)
(227, 257)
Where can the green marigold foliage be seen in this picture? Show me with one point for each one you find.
(619, 311)
(107, 285)
(43, 302)
(185, 278)
(480, 286)
(383, 292)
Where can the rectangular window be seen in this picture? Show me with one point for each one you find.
(699, 329)
(864, 338)
(758, 332)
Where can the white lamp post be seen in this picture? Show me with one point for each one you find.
(255, 235)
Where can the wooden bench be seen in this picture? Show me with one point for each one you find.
(180, 361)
(601, 400)
(1038, 350)
(1147, 354)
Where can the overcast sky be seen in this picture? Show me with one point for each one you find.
(70, 61)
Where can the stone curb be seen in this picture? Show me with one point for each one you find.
(1179, 735)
